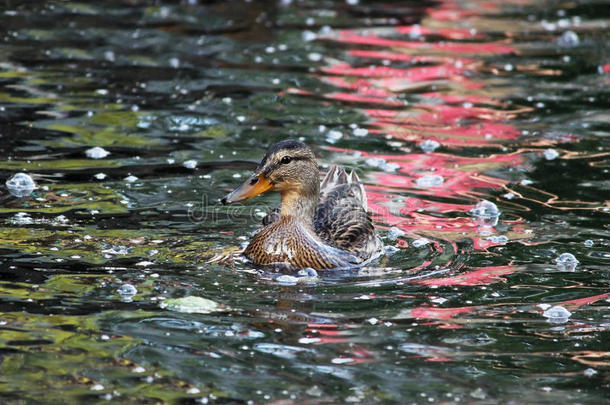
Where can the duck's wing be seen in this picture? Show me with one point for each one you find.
(342, 219)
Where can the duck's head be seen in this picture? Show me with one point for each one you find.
(289, 167)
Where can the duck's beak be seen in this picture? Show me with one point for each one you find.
(251, 188)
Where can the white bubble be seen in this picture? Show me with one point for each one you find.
(314, 56)
(308, 272)
(550, 154)
(429, 145)
(127, 290)
(557, 314)
(394, 233)
(333, 136)
(131, 179)
(22, 218)
(485, 209)
(20, 185)
(382, 164)
(287, 279)
(590, 372)
(566, 262)
(308, 36)
(589, 243)
(486, 213)
(430, 180)
(360, 132)
(501, 239)
(97, 153)
(568, 39)
(420, 242)
(190, 164)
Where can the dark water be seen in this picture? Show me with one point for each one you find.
(515, 94)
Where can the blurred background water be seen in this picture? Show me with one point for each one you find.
(479, 128)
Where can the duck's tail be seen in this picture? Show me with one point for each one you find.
(337, 176)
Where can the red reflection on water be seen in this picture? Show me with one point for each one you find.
(584, 301)
(486, 275)
(439, 313)
(353, 37)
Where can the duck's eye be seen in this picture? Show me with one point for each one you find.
(286, 159)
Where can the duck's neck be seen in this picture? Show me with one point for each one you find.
(300, 206)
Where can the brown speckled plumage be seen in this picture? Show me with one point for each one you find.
(321, 229)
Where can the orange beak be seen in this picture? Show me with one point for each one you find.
(251, 188)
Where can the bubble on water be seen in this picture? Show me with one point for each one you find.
(415, 31)
(360, 132)
(389, 249)
(420, 242)
(501, 239)
(557, 314)
(568, 39)
(97, 387)
(589, 243)
(307, 340)
(96, 153)
(508, 67)
(550, 154)
(308, 36)
(590, 372)
(394, 233)
(509, 196)
(20, 185)
(287, 279)
(567, 262)
(308, 272)
(382, 164)
(22, 218)
(333, 136)
(314, 56)
(174, 62)
(131, 179)
(116, 250)
(429, 145)
(430, 180)
(486, 213)
(109, 56)
(190, 164)
(127, 292)
(352, 2)
(138, 369)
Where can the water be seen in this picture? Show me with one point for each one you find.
(119, 281)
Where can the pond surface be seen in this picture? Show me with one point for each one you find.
(480, 130)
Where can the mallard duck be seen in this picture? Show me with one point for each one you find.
(319, 226)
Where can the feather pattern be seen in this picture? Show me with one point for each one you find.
(342, 219)
(320, 225)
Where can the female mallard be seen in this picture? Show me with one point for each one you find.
(322, 230)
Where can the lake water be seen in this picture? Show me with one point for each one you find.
(479, 128)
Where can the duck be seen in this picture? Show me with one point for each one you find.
(318, 225)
